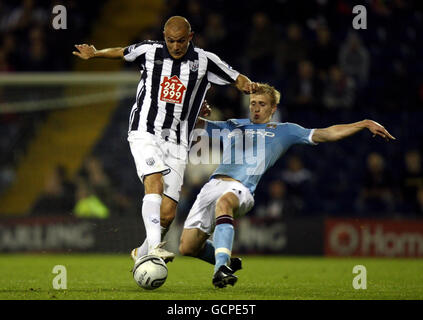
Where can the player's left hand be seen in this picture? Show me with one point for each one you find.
(250, 87)
(379, 130)
(205, 109)
(246, 85)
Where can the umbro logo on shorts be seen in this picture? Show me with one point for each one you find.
(239, 192)
(155, 221)
(150, 161)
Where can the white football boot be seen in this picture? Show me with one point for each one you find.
(134, 255)
(167, 256)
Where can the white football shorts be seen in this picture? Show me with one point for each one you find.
(153, 154)
(202, 214)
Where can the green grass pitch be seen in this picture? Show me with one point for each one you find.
(99, 276)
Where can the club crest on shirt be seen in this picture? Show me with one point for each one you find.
(239, 192)
(271, 126)
(193, 65)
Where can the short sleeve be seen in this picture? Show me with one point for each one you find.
(134, 51)
(218, 71)
(300, 135)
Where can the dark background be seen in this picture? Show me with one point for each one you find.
(327, 72)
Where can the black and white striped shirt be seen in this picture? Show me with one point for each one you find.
(171, 92)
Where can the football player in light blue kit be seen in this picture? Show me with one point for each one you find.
(250, 147)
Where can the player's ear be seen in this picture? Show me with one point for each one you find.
(190, 35)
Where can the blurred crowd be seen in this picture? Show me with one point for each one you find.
(28, 41)
(291, 190)
(90, 194)
(312, 53)
(326, 71)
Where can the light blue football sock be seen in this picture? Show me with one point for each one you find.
(223, 239)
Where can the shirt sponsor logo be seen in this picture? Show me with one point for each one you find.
(172, 90)
(250, 132)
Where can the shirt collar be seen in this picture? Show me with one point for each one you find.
(240, 122)
(246, 122)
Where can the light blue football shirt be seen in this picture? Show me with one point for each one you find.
(250, 149)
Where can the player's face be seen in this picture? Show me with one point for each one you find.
(177, 41)
(261, 109)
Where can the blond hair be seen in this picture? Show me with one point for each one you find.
(264, 88)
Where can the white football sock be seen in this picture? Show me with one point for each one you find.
(151, 217)
(143, 249)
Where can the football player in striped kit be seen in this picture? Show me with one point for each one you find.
(175, 77)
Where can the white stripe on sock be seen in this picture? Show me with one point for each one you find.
(222, 250)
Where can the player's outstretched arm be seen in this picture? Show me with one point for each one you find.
(342, 131)
(244, 84)
(86, 52)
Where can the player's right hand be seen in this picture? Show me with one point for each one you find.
(379, 130)
(85, 51)
(251, 87)
(205, 109)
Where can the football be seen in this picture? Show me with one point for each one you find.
(150, 272)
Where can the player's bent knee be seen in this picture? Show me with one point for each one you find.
(186, 249)
(182, 250)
